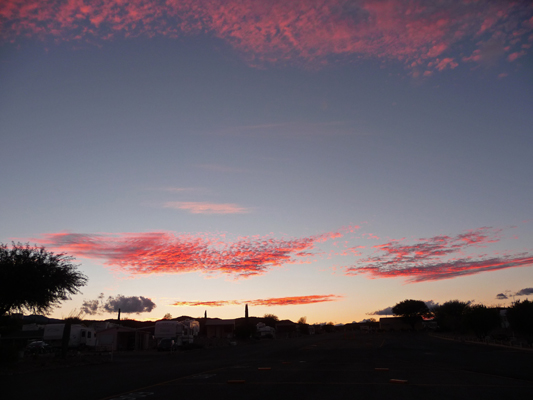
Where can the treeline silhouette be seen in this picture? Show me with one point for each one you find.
(463, 317)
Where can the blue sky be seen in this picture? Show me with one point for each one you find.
(250, 161)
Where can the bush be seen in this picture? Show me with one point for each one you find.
(481, 320)
(245, 331)
(520, 317)
(450, 315)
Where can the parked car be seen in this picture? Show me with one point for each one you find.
(38, 347)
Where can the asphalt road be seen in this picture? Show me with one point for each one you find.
(375, 366)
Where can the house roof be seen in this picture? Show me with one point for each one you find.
(217, 321)
(121, 329)
(286, 322)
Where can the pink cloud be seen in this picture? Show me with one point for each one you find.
(475, 56)
(164, 252)
(515, 55)
(309, 32)
(445, 62)
(279, 301)
(296, 300)
(220, 168)
(207, 208)
(449, 269)
(425, 260)
(182, 189)
(216, 303)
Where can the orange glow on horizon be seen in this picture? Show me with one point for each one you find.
(279, 301)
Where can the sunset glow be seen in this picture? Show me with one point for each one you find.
(163, 252)
(426, 260)
(217, 153)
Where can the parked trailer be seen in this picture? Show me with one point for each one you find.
(265, 331)
(191, 326)
(80, 335)
(181, 332)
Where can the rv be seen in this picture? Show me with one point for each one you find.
(80, 335)
(181, 332)
(265, 331)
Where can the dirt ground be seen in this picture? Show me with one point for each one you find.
(386, 365)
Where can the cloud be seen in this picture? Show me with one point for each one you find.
(90, 307)
(515, 55)
(297, 300)
(182, 189)
(279, 301)
(221, 168)
(525, 292)
(289, 128)
(216, 303)
(489, 53)
(388, 310)
(129, 304)
(313, 32)
(425, 261)
(126, 304)
(385, 311)
(445, 63)
(165, 252)
(196, 207)
(431, 304)
(501, 296)
(445, 270)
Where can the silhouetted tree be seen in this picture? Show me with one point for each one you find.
(167, 316)
(74, 317)
(329, 327)
(450, 315)
(411, 311)
(270, 320)
(36, 280)
(481, 319)
(303, 327)
(520, 317)
(246, 329)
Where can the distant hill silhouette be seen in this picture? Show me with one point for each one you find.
(39, 319)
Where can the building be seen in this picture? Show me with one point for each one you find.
(120, 338)
(220, 328)
(286, 328)
(398, 324)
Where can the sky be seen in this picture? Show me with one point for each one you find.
(325, 159)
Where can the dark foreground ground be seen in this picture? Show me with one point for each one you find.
(316, 367)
